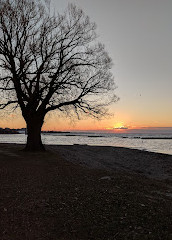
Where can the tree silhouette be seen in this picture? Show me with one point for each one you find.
(51, 62)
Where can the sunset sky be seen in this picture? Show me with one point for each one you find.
(138, 37)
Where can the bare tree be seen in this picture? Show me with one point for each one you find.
(50, 62)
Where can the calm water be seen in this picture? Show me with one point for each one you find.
(138, 141)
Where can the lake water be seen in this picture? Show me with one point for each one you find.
(161, 143)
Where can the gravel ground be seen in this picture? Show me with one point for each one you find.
(50, 196)
(150, 164)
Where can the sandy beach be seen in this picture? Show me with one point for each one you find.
(85, 192)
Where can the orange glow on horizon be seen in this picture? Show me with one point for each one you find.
(121, 122)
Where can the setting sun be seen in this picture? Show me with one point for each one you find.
(119, 125)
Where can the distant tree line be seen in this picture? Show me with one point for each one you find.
(8, 131)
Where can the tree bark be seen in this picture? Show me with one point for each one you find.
(34, 142)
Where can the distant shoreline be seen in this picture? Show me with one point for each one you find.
(72, 134)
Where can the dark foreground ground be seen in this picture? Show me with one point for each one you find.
(42, 196)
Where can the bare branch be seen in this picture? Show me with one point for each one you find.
(51, 62)
(4, 105)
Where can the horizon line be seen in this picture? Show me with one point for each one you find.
(104, 129)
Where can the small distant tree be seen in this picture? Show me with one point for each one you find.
(51, 62)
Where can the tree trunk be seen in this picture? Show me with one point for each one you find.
(34, 142)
